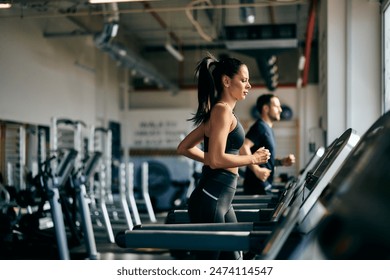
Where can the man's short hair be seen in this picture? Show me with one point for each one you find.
(264, 99)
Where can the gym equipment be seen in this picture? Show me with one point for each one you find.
(163, 192)
(51, 181)
(262, 214)
(122, 194)
(145, 191)
(130, 192)
(104, 201)
(349, 219)
(79, 180)
(13, 156)
(304, 225)
(101, 140)
(315, 183)
(6, 217)
(68, 134)
(287, 113)
(185, 239)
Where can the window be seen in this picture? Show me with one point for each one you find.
(386, 55)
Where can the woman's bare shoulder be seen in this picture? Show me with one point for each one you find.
(221, 113)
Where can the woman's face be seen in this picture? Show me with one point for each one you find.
(238, 86)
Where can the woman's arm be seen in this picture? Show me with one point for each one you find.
(188, 146)
(221, 120)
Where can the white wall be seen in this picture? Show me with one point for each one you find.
(363, 64)
(58, 77)
(350, 76)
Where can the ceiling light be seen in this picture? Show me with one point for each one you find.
(5, 5)
(175, 53)
(247, 13)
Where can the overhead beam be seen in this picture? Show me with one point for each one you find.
(157, 10)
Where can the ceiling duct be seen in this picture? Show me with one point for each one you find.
(125, 56)
(266, 36)
(263, 42)
(131, 60)
(110, 27)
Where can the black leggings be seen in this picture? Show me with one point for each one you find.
(211, 202)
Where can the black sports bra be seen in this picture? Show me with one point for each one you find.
(234, 140)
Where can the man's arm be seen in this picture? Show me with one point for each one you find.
(286, 161)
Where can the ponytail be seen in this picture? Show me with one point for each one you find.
(209, 72)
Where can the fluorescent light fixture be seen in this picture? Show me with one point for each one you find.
(175, 53)
(5, 5)
(114, 30)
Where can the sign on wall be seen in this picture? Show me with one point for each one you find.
(157, 129)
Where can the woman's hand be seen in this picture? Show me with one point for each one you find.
(261, 156)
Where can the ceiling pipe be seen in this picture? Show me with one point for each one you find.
(162, 23)
(271, 12)
(110, 27)
(160, 10)
(309, 39)
(194, 22)
(176, 53)
(125, 56)
(131, 60)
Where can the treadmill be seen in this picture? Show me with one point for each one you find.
(243, 236)
(249, 213)
(353, 171)
(351, 214)
(52, 181)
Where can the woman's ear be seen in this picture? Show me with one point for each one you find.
(226, 81)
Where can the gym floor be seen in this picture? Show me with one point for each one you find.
(111, 251)
(43, 247)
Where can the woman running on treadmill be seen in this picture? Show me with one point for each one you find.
(220, 85)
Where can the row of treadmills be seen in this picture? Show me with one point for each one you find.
(338, 208)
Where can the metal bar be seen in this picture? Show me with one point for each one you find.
(145, 192)
(189, 240)
(309, 38)
(130, 192)
(89, 236)
(122, 195)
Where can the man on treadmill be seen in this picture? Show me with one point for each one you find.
(259, 178)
